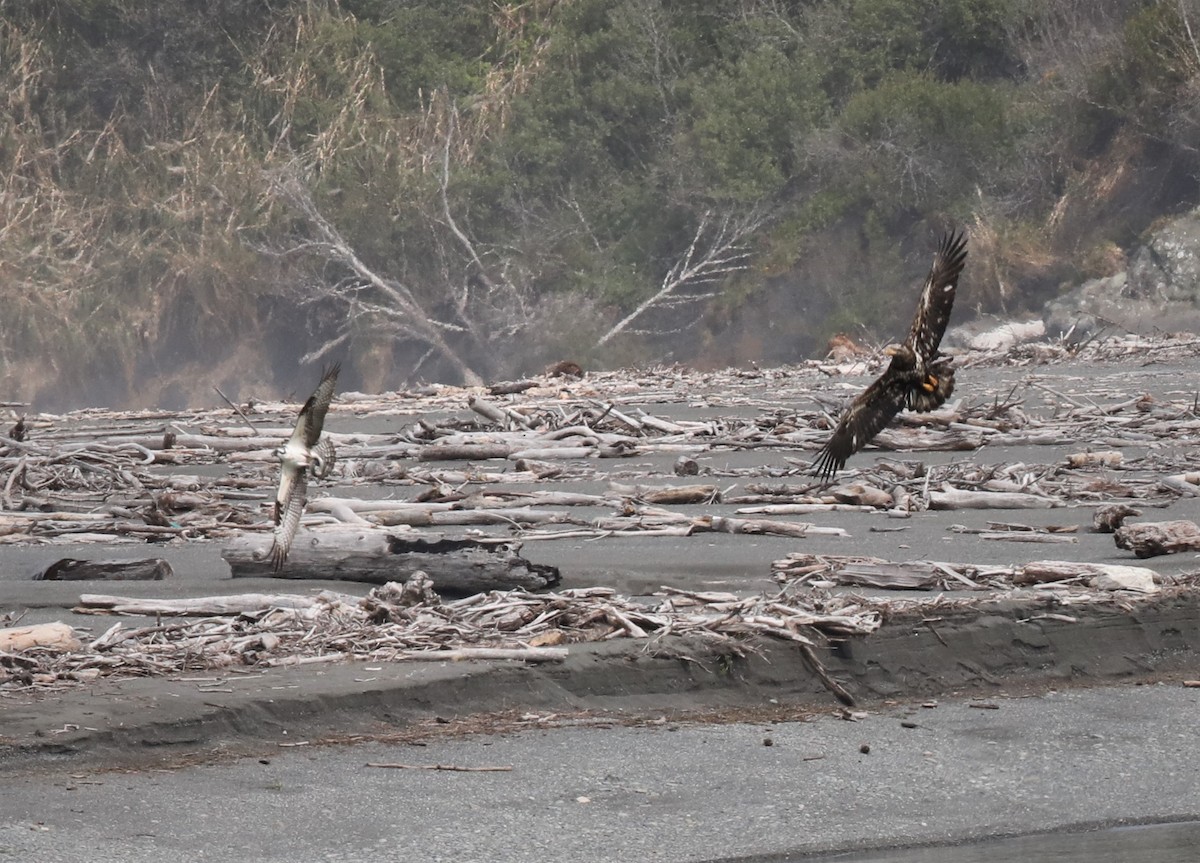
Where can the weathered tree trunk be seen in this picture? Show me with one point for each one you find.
(562, 452)
(375, 556)
(927, 439)
(957, 498)
(200, 606)
(465, 452)
(54, 636)
(1152, 538)
(916, 575)
(69, 569)
(725, 524)
(668, 495)
(1099, 576)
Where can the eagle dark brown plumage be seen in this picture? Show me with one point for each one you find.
(919, 377)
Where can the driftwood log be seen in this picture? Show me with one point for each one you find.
(917, 575)
(70, 569)
(51, 636)
(669, 495)
(201, 606)
(1152, 538)
(939, 575)
(957, 498)
(375, 556)
(1101, 576)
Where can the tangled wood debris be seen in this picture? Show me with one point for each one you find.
(409, 622)
(104, 476)
(497, 467)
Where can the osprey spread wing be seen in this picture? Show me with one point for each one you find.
(918, 377)
(304, 452)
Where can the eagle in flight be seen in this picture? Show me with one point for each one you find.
(304, 452)
(919, 377)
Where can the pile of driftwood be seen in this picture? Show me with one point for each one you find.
(400, 622)
(493, 466)
(110, 477)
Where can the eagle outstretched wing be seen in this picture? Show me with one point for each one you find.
(866, 417)
(937, 297)
(916, 378)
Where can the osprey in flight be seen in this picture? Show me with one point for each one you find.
(918, 378)
(304, 451)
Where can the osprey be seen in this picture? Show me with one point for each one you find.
(304, 451)
(918, 378)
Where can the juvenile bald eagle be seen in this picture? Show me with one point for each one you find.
(304, 451)
(918, 378)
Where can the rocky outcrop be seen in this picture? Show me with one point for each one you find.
(1158, 292)
(1167, 268)
(988, 333)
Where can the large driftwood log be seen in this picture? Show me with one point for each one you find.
(800, 530)
(52, 636)
(666, 494)
(927, 439)
(377, 556)
(1152, 538)
(200, 606)
(916, 575)
(465, 452)
(1101, 576)
(957, 498)
(143, 569)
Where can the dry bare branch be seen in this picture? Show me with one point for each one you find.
(715, 251)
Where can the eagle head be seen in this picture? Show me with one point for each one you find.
(904, 358)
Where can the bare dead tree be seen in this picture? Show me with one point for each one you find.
(717, 249)
(498, 306)
(386, 303)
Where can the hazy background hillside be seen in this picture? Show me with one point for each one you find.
(231, 192)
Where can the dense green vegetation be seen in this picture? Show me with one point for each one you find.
(203, 193)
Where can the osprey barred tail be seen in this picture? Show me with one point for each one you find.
(919, 377)
(305, 452)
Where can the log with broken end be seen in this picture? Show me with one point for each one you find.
(140, 569)
(49, 636)
(461, 565)
(1152, 538)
